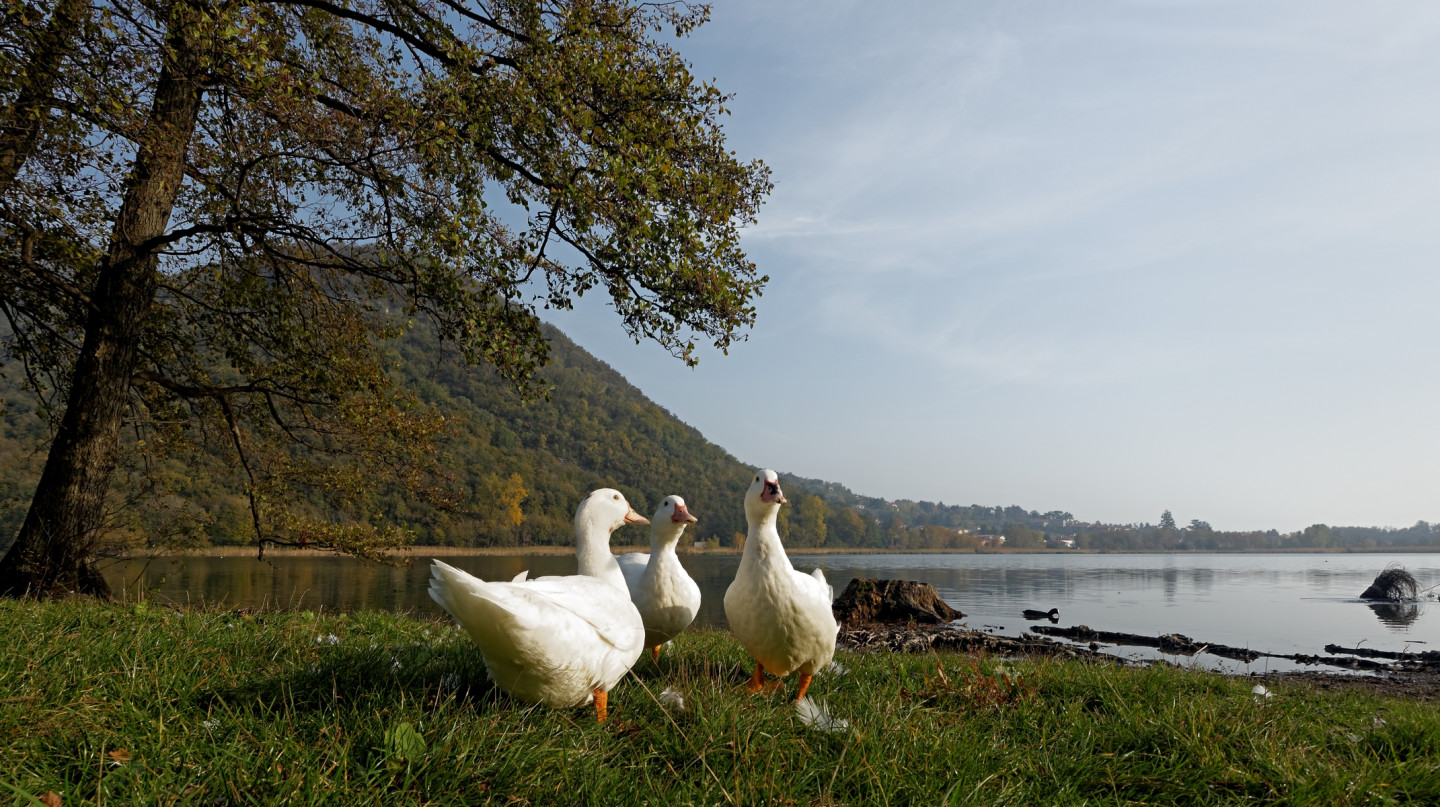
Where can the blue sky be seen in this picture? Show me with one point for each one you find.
(1105, 257)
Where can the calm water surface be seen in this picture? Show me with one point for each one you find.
(1276, 603)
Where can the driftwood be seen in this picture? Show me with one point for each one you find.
(1428, 662)
(867, 601)
(1174, 643)
(1366, 652)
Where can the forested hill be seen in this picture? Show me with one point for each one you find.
(596, 430)
(525, 466)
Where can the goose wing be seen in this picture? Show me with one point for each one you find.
(556, 610)
(598, 604)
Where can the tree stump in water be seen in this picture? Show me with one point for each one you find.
(1394, 584)
(869, 600)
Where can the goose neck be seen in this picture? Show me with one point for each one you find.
(763, 544)
(593, 556)
(664, 541)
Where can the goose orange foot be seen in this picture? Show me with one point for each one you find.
(757, 681)
(804, 685)
(602, 699)
(655, 653)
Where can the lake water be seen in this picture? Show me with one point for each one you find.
(1284, 603)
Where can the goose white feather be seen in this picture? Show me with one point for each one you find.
(559, 640)
(781, 616)
(666, 596)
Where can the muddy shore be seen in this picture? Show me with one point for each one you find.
(1405, 675)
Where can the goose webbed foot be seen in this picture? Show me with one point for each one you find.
(757, 681)
(804, 685)
(602, 704)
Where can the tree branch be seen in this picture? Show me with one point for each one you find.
(459, 8)
(198, 392)
(417, 42)
(245, 463)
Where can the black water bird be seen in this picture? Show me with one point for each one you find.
(1053, 614)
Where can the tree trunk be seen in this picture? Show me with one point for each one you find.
(51, 554)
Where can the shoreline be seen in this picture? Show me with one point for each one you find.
(248, 550)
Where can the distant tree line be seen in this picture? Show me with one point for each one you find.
(1200, 536)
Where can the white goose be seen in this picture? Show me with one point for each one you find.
(659, 586)
(560, 641)
(782, 617)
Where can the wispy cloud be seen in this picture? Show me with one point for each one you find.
(1223, 209)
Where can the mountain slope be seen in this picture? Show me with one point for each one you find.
(596, 430)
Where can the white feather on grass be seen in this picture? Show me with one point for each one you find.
(817, 716)
(671, 699)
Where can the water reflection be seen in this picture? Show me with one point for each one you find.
(1276, 603)
(1396, 614)
(1202, 579)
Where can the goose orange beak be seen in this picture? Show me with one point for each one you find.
(633, 517)
(682, 515)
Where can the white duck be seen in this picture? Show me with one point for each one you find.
(560, 641)
(782, 617)
(659, 586)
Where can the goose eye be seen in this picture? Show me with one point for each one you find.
(617, 497)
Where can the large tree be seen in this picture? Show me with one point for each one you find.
(214, 213)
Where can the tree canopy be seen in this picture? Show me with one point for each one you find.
(214, 215)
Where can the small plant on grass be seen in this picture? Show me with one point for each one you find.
(974, 689)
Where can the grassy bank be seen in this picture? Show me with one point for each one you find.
(136, 705)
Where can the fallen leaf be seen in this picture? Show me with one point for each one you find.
(624, 729)
(51, 799)
(402, 741)
(119, 756)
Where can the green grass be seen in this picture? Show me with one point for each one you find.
(135, 705)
